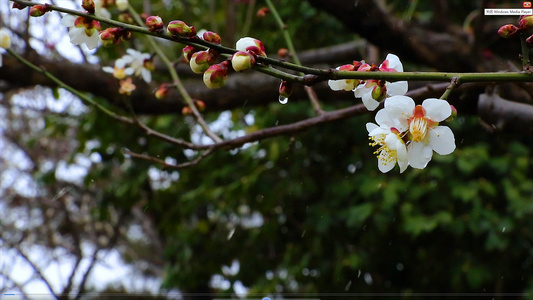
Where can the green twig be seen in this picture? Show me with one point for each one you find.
(525, 53)
(453, 84)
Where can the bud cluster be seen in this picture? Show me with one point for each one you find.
(509, 30)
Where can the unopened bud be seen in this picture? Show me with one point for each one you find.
(186, 110)
(188, 51)
(212, 37)
(357, 64)
(110, 36)
(200, 61)
(125, 18)
(379, 92)
(453, 115)
(285, 89)
(39, 10)
(155, 23)
(122, 5)
(88, 5)
(263, 12)
(5, 38)
(506, 31)
(180, 28)
(161, 92)
(283, 52)
(242, 61)
(250, 44)
(200, 105)
(526, 22)
(148, 64)
(216, 75)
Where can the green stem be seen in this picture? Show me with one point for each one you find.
(177, 81)
(449, 89)
(285, 32)
(63, 85)
(525, 53)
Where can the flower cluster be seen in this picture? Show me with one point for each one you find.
(134, 63)
(372, 92)
(408, 134)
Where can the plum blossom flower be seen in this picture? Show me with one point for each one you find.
(141, 63)
(126, 87)
(250, 44)
(82, 30)
(5, 41)
(422, 124)
(373, 91)
(119, 71)
(391, 149)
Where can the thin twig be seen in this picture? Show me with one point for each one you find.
(169, 165)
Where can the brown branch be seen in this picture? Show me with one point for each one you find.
(168, 165)
(502, 114)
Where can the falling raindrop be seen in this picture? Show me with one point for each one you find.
(283, 100)
(503, 229)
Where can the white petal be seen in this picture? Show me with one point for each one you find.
(369, 126)
(379, 131)
(108, 69)
(369, 102)
(384, 166)
(244, 43)
(403, 159)
(436, 109)
(77, 35)
(397, 88)
(129, 71)
(68, 20)
(147, 76)
(0, 60)
(361, 90)
(400, 108)
(442, 140)
(383, 119)
(342, 84)
(419, 155)
(394, 62)
(92, 41)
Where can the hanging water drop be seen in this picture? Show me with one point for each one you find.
(283, 100)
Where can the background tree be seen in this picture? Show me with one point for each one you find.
(302, 211)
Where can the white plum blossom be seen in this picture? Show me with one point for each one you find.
(122, 5)
(119, 71)
(422, 125)
(141, 63)
(373, 91)
(391, 149)
(5, 41)
(82, 30)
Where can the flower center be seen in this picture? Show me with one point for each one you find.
(418, 128)
(385, 154)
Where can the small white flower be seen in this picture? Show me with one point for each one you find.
(364, 91)
(82, 31)
(344, 84)
(119, 71)
(422, 123)
(391, 149)
(139, 62)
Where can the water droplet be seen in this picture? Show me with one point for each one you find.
(283, 100)
(503, 229)
(359, 273)
(347, 287)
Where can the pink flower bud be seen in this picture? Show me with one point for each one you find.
(188, 51)
(161, 92)
(200, 61)
(216, 75)
(250, 44)
(39, 10)
(285, 89)
(453, 115)
(125, 18)
(283, 52)
(526, 22)
(186, 110)
(263, 12)
(110, 36)
(155, 23)
(88, 5)
(347, 68)
(200, 105)
(506, 31)
(242, 61)
(212, 37)
(179, 28)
